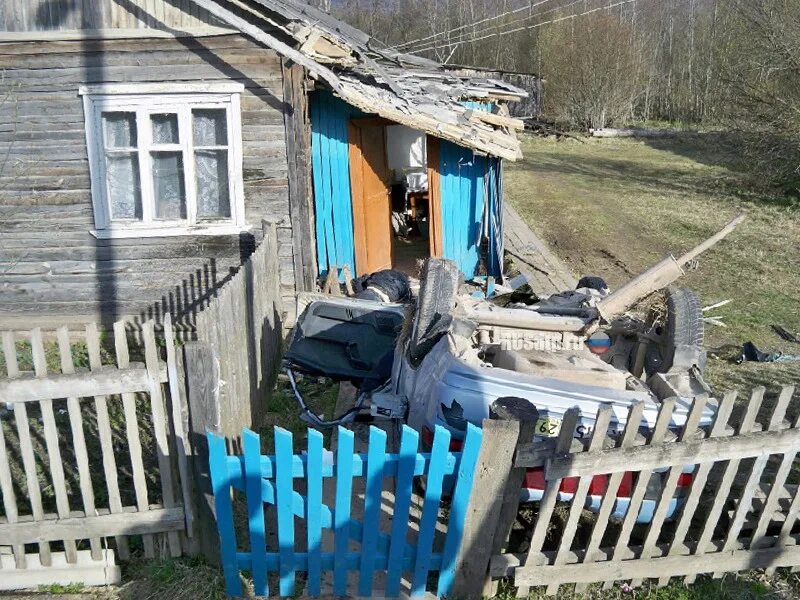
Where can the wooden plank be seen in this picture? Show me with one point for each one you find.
(753, 480)
(101, 524)
(84, 571)
(373, 491)
(178, 402)
(602, 422)
(523, 411)
(78, 439)
(550, 496)
(6, 482)
(699, 479)
(132, 435)
(283, 500)
(9, 497)
(738, 447)
(341, 514)
(160, 425)
(105, 435)
(671, 483)
(777, 487)
(436, 241)
(103, 381)
(409, 442)
(50, 429)
(298, 152)
(430, 510)
(667, 566)
(251, 444)
(729, 473)
(656, 439)
(494, 464)
(459, 506)
(610, 495)
(28, 459)
(314, 483)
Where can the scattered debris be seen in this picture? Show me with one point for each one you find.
(750, 353)
(610, 132)
(786, 334)
(717, 305)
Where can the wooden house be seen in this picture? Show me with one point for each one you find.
(144, 142)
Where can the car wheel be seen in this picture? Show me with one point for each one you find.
(679, 331)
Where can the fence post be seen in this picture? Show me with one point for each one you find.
(495, 495)
(202, 383)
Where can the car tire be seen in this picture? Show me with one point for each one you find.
(437, 297)
(682, 334)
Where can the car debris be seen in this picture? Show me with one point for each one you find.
(445, 359)
(786, 334)
(750, 353)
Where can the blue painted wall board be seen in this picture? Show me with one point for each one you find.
(251, 444)
(283, 503)
(220, 485)
(458, 508)
(403, 490)
(372, 506)
(430, 511)
(313, 515)
(344, 490)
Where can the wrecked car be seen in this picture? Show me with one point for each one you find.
(445, 358)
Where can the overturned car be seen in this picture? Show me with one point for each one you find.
(443, 359)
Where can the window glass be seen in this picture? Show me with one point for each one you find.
(209, 127)
(165, 129)
(124, 191)
(169, 191)
(120, 129)
(211, 169)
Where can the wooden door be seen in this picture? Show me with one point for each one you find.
(371, 194)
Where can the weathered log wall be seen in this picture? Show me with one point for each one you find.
(50, 264)
(55, 15)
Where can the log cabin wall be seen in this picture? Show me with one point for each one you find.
(68, 15)
(50, 263)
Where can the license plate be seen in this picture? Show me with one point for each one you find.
(548, 427)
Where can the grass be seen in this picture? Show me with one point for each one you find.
(613, 207)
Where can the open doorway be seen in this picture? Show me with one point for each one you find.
(389, 178)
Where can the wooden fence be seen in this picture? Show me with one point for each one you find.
(386, 556)
(88, 452)
(242, 328)
(737, 513)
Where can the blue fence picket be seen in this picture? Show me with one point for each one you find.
(430, 510)
(220, 484)
(251, 443)
(376, 457)
(284, 492)
(458, 508)
(270, 479)
(402, 504)
(341, 515)
(314, 511)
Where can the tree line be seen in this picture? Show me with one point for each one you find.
(728, 63)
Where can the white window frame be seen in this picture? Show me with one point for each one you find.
(146, 100)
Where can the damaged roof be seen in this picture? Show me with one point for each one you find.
(407, 89)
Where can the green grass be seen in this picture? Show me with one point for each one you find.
(614, 207)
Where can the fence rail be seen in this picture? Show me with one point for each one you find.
(384, 548)
(736, 514)
(69, 435)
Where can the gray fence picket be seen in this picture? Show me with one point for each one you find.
(599, 436)
(699, 481)
(724, 487)
(132, 435)
(78, 439)
(55, 462)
